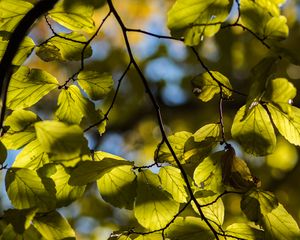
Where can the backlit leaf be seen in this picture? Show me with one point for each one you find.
(263, 18)
(244, 231)
(153, 209)
(53, 226)
(11, 12)
(96, 85)
(279, 224)
(197, 18)
(58, 138)
(3, 153)
(206, 86)
(172, 182)
(89, 171)
(62, 49)
(28, 86)
(288, 126)
(24, 50)
(189, 228)
(32, 156)
(21, 130)
(75, 15)
(26, 190)
(20, 219)
(254, 131)
(118, 186)
(210, 131)
(59, 175)
(208, 174)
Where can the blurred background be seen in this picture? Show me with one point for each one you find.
(132, 130)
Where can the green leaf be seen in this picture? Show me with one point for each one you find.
(288, 126)
(206, 86)
(197, 18)
(65, 47)
(96, 85)
(244, 231)
(263, 18)
(177, 142)
(74, 15)
(31, 157)
(89, 171)
(257, 203)
(20, 219)
(210, 131)
(73, 107)
(214, 212)
(59, 175)
(254, 131)
(3, 153)
(280, 90)
(9, 234)
(28, 86)
(11, 13)
(53, 226)
(189, 228)
(68, 109)
(60, 139)
(279, 224)
(153, 209)
(118, 186)
(24, 50)
(208, 174)
(21, 130)
(173, 183)
(25, 189)
(151, 236)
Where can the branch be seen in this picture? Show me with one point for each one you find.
(158, 115)
(16, 38)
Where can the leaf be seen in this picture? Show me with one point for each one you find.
(244, 231)
(31, 157)
(173, 183)
(288, 126)
(254, 131)
(89, 171)
(53, 226)
(279, 224)
(20, 129)
(9, 233)
(3, 153)
(153, 208)
(96, 85)
(151, 236)
(74, 15)
(257, 203)
(208, 174)
(11, 13)
(19, 219)
(235, 172)
(210, 131)
(28, 86)
(65, 47)
(177, 142)
(26, 190)
(263, 18)
(59, 175)
(280, 90)
(189, 228)
(73, 107)
(60, 139)
(210, 83)
(118, 187)
(214, 211)
(25, 49)
(198, 18)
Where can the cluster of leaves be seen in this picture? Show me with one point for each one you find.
(56, 165)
